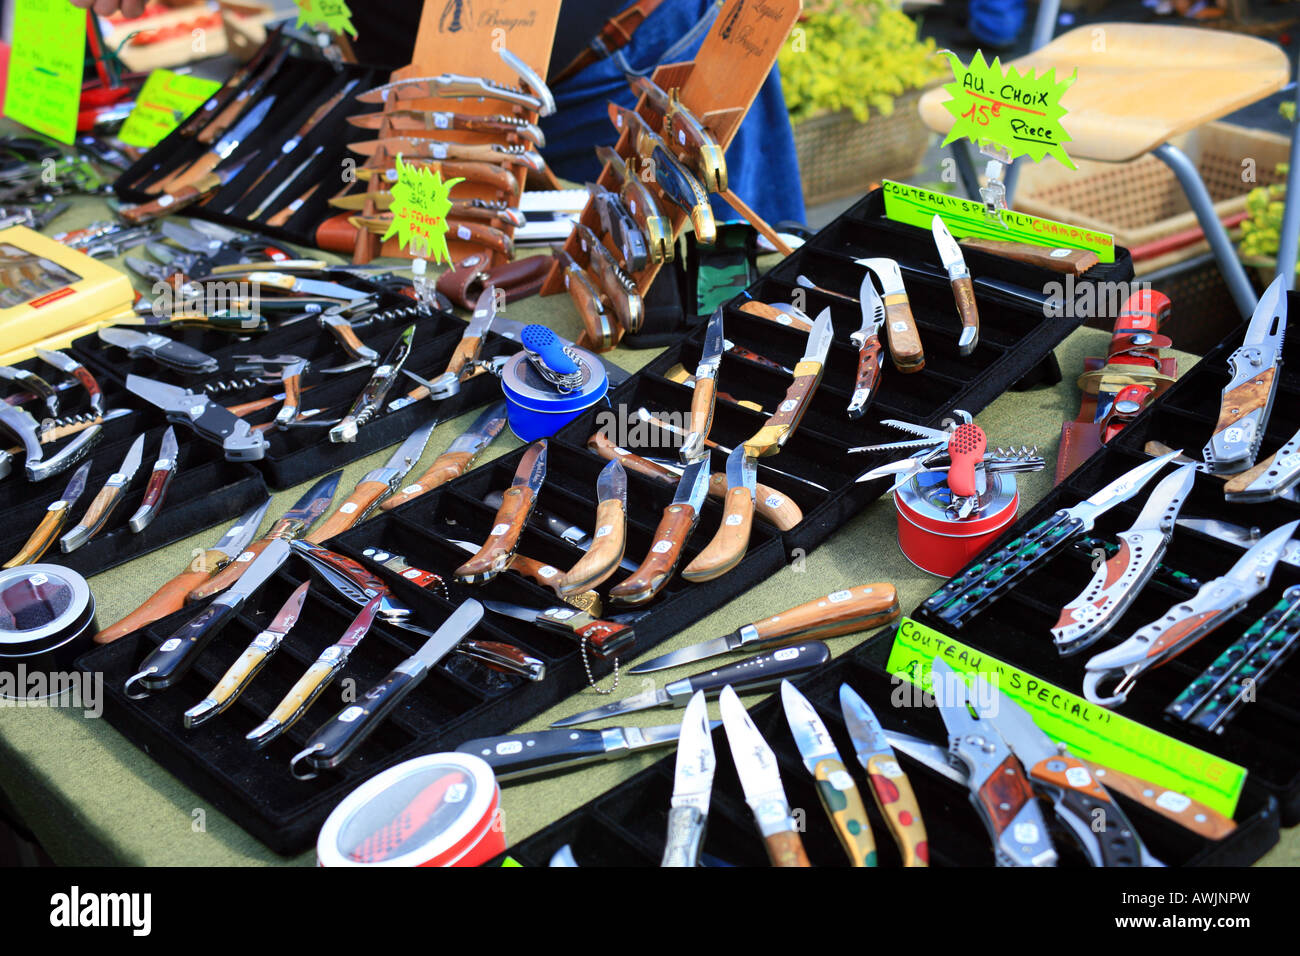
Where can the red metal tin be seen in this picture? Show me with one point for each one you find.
(942, 545)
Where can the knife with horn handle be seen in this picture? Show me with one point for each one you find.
(728, 546)
(776, 431)
(779, 313)
(160, 479)
(250, 663)
(959, 278)
(904, 340)
(676, 183)
(56, 516)
(849, 611)
(429, 120)
(601, 330)
(617, 286)
(706, 390)
(1069, 261)
(640, 202)
(608, 541)
(516, 507)
(675, 527)
(104, 503)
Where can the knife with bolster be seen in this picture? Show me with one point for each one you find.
(457, 459)
(669, 539)
(753, 673)
(1187, 622)
(698, 147)
(706, 390)
(160, 479)
(676, 183)
(608, 638)
(617, 223)
(579, 537)
(835, 787)
(336, 740)
(208, 419)
(867, 339)
(779, 312)
(640, 202)
(104, 503)
(609, 540)
(959, 279)
(861, 608)
(184, 196)
(1120, 579)
(728, 546)
(292, 524)
(164, 351)
(461, 364)
(904, 340)
(420, 148)
(601, 331)
(1063, 260)
(776, 431)
(889, 785)
(484, 174)
(692, 786)
(372, 488)
(516, 507)
(616, 285)
(170, 598)
(250, 663)
(761, 780)
(371, 399)
(1248, 398)
(172, 659)
(56, 517)
(1272, 478)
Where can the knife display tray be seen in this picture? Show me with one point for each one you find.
(300, 86)
(627, 825)
(206, 488)
(1261, 736)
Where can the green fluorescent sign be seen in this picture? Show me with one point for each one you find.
(334, 14)
(45, 64)
(420, 206)
(163, 103)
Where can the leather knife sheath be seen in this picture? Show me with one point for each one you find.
(518, 279)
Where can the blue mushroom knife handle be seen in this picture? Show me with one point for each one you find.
(982, 582)
(171, 660)
(1083, 804)
(528, 754)
(686, 826)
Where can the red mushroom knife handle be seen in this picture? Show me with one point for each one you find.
(966, 449)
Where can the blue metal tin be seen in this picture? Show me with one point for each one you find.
(536, 410)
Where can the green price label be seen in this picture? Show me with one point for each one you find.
(164, 102)
(334, 14)
(1091, 732)
(420, 205)
(1018, 111)
(45, 64)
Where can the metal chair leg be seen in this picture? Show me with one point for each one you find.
(1233, 271)
(1287, 234)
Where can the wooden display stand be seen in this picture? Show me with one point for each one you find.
(717, 87)
(464, 39)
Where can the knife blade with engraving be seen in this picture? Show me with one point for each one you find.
(371, 399)
(641, 204)
(56, 517)
(962, 290)
(172, 659)
(1247, 399)
(601, 329)
(160, 479)
(209, 420)
(776, 431)
(457, 459)
(1117, 582)
(1187, 622)
(161, 349)
(728, 546)
(849, 611)
(617, 223)
(516, 507)
(250, 663)
(101, 508)
(676, 183)
(753, 673)
(699, 149)
(889, 785)
(604, 554)
(761, 780)
(835, 787)
(669, 538)
(867, 339)
(692, 786)
(706, 390)
(408, 120)
(336, 740)
(616, 285)
(904, 340)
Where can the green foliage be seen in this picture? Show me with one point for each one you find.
(1261, 229)
(855, 55)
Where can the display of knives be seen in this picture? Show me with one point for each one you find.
(761, 780)
(374, 486)
(676, 183)
(517, 756)
(104, 503)
(617, 223)
(452, 86)
(604, 554)
(170, 598)
(754, 673)
(669, 538)
(861, 608)
(292, 524)
(728, 546)
(340, 736)
(889, 785)
(776, 431)
(421, 148)
(641, 204)
(782, 313)
(404, 120)
(457, 459)
(615, 284)
(984, 580)
(184, 196)
(607, 638)
(1117, 582)
(1237, 536)
(1187, 622)
(706, 390)
(160, 479)
(161, 349)
(601, 329)
(211, 161)
(959, 278)
(250, 663)
(1247, 399)
(317, 116)
(692, 786)
(835, 787)
(172, 659)
(867, 339)
(904, 340)
(209, 420)
(699, 149)
(232, 113)
(371, 399)
(516, 507)
(56, 517)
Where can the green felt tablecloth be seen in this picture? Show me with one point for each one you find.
(91, 797)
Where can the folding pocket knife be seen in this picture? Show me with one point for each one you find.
(371, 399)
(676, 183)
(516, 508)
(211, 421)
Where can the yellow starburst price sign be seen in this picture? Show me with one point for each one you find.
(333, 13)
(1018, 111)
(420, 205)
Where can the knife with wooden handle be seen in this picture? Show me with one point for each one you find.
(778, 428)
(959, 278)
(779, 314)
(904, 339)
(731, 541)
(669, 539)
(1070, 261)
(56, 516)
(601, 331)
(160, 479)
(104, 503)
(457, 459)
(516, 507)
(608, 541)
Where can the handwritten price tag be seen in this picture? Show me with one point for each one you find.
(1018, 111)
(45, 67)
(420, 206)
(333, 13)
(163, 103)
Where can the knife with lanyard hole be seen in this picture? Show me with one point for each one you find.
(160, 479)
(692, 786)
(104, 503)
(607, 544)
(669, 539)
(371, 399)
(729, 544)
(706, 390)
(1187, 622)
(516, 507)
(456, 460)
(56, 517)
